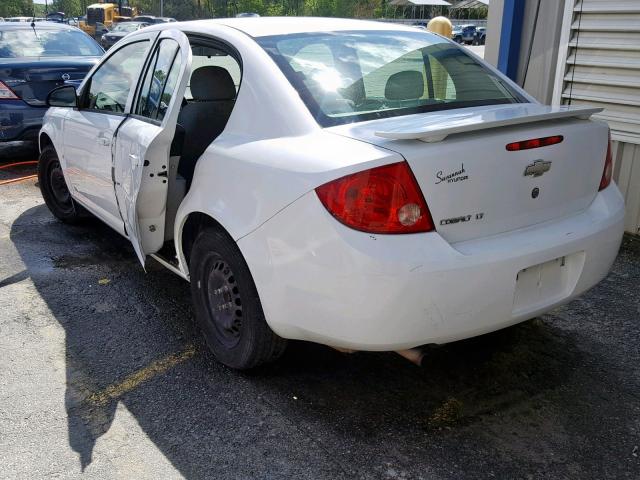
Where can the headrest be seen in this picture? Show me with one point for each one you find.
(212, 83)
(407, 85)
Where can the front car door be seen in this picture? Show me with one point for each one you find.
(143, 144)
(89, 130)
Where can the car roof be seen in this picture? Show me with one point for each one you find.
(38, 26)
(267, 26)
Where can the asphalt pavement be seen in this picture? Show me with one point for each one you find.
(103, 374)
(477, 49)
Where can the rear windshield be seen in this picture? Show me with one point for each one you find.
(361, 75)
(46, 43)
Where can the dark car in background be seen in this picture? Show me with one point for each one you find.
(481, 36)
(120, 31)
(35, 58)
(150, 19)
(57, 17)
(464, 33)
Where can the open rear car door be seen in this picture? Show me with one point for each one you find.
(143, 143)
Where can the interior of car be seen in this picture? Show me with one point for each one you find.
(207, 106)
(205, 111)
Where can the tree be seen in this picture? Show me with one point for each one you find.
(16, 8)
(72, 8)
(190, 9)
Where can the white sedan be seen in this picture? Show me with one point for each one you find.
(358, 184)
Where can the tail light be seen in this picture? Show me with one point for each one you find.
(608, 167)
(380, 200)
(6, 93)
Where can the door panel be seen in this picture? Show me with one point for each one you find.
(88, 137)
(89, 131)
(144, 141)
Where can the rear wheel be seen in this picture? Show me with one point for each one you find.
(54, 188)
(227, 305)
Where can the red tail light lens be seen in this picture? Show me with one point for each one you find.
(607, 174)
(534, 143)
(6, 93)
(380, 200)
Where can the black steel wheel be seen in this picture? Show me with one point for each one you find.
(226, 303)
(54, 188)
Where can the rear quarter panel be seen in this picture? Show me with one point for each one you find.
(243, 184)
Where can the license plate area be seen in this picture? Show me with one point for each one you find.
(546, 283)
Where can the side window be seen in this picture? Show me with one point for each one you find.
(204, 56)
(160, 81)
(110, 85)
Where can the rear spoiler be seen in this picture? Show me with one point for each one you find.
(437, 127)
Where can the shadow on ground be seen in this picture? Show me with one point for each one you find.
(544, 398)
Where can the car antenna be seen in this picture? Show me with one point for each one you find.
(33, 24)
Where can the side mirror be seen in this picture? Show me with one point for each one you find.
(64, 96)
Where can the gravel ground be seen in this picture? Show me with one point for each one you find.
(104, 375)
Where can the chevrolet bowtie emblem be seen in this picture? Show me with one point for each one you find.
(537, 168)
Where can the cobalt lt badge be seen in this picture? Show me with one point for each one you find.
(537, 168)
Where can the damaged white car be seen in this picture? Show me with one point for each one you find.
(358, 184)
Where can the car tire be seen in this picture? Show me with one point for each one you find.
(53, 187)
(226, 303)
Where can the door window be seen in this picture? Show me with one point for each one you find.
(205, 55)
(110, 85)
(160, 81)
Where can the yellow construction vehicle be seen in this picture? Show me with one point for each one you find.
(102, 16)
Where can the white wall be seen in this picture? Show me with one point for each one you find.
(546, 43)
(626, 172)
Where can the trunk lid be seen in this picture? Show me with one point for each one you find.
(473, 185)
(33, 78)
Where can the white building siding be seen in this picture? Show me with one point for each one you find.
(627, 174)
(599, 65)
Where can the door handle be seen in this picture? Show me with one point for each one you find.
(104, 141)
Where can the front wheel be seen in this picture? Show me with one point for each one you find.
(227, 305)
(54, 188)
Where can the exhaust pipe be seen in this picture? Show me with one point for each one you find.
(344, 350)
(414, 355)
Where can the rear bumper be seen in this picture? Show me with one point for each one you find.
(19, 121)
(322, 282)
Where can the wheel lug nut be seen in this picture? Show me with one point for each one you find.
(225, 306)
